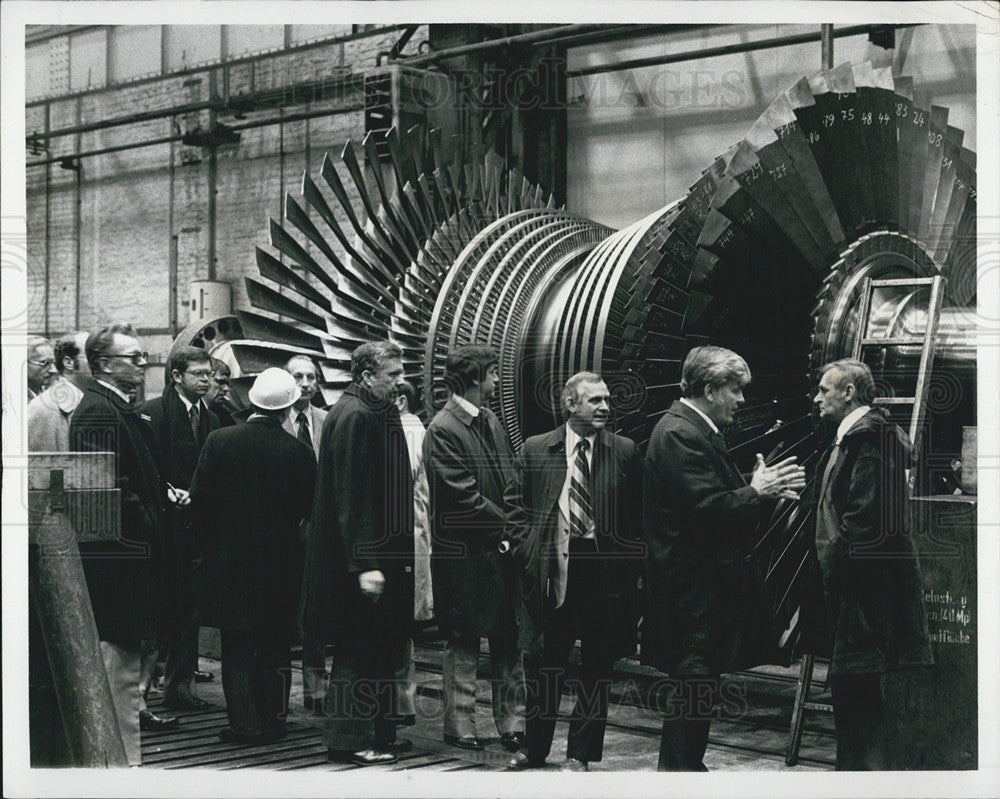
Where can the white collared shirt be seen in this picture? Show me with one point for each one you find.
(701, 413)
(468, 407)
(188, 403)
(850, 420)
(572, 440)
(115, 388)
(294, 419)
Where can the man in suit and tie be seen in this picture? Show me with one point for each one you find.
(305, 422)
(469, 463)
(573, 510)
(181, 421)
(868, 562)
(124, 577)
(699, 516)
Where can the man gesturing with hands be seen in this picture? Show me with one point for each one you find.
(699, 515)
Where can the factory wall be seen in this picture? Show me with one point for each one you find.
(125, 244)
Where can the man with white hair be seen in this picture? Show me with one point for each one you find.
(868, 562)
(41, 365)
(699, 517)
(251, 490)
(49, 414)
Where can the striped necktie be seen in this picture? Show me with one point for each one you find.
(581, 513)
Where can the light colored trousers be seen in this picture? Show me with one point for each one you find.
(461, 656)
(129, 673)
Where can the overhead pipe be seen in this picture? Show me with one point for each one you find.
(727, 49)
(259, 123)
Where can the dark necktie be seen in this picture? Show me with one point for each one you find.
(581, 513)
(834, 452)
(195, 425)
(303, 435)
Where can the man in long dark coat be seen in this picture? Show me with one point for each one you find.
(358, 587)
(124, 578)
(869, 567)
(252, 488)
(699, 516)
(574, 511)
(181, 421)
(469, 463)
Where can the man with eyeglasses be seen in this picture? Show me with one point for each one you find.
(41, 365)
(124, 576)
(49, 414)
(181, 421)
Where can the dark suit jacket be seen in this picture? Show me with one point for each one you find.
(169, 419)
(473, 583)
(124, 578)
(362, 520)
(870, 571)
(251, 490)
(705, 611)
(532, 503)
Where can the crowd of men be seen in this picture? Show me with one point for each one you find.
(340, 527)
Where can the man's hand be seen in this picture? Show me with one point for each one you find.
(372, 584)
(784, 479)
(178, 496)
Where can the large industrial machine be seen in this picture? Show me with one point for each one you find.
(846, 194)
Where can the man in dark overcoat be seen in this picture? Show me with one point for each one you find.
(574, 510)
(358, 586)
(869, 567)
(252, 488)
(124, 578)
(181, 421)
(469, 462)
(699, 516)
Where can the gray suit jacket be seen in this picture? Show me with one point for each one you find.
(318, 416)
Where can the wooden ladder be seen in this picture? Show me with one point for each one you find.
(863, 343)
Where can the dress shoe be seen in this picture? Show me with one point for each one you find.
(230, 737)
(150, 723)
(186, 703)
(467, 742)
(512, 741)
(520, 762)
(572, 764)
(372, 757)
(203, 676)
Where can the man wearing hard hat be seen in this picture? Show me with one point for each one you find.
(251, 490)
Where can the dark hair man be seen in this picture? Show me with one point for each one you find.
(251, 490)
(305, 421)
(870, 573)
(573, 510)
(41, 365)
(358, 587)
(181, 421)
(49, 414)
(699, 516)
(469, 463)
(217, 397)
(124, 577)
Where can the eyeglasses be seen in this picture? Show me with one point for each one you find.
(203, 374)
(44, 364)
(135, 357)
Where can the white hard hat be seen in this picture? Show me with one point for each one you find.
(274, 389)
